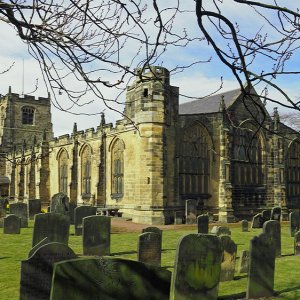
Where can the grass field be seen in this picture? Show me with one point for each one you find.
(14, 248)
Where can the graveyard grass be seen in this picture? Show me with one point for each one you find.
(14, 248)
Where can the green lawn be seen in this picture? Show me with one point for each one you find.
(14, 248)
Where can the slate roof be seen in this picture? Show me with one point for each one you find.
(210, 104)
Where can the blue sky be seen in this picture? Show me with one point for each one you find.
(197, 81)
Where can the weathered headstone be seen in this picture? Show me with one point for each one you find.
(244, 226)
(276, 213)
(149, 248)
(294, 222)
(190, 211)
(54, 226)
(34, 207)
(39, 245)
(297, 243)
(273, 230)
(12, 225)
(72, 206)
(81, 212)
(36, 271)
(243, 266)
(59, 204)
(202, 223)
(197, 267)
(107, 278)
(21, 210)
(178, 217)
(155, 230)
(96, 235)
(220, 230)
(229, 258)
(261, 267)
(257, 221)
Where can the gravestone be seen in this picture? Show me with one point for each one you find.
(12, 225)
(59, 204)
(294, 222)
(197, 254)
(202, 223)
(154, 230)
(257, 221)
(54, 226)
(72, 206)
(273, 230)
(36, 271)
(190, 211)
(265, 215)
(39, 245)
(3, 203)
(276, 213)
(178, 217)
(297, 243)
(229, 258)
(34, 207)
(243, 266)
(108, 278)
(96, 235)
(149, 248)
(21, 210)
(81, 212)
(244, 226)
(261, 267)
(220, 230)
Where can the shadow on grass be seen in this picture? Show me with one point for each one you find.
(233, 297)
(284, 255)
(167, 267)
(123, 253)
(240, 277)
(165, 250)
(295, 288)
(4, 257)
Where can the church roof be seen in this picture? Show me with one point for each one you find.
(209, 104)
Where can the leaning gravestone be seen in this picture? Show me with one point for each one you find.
(257, 221)
(12, 225)
(59, 204)
(149, 248)
(220, 230)
(36, 271)
(21, 210)
(261, 267)
(202, 223)
(229, 258)
(108, 278)
(34, 207)
(243, 266)
(294, 222)
(39, 245)
(54, 226)
(81, 212)
(276, 213)
(197, 254)
(244, 226)
(273, 230)
(190, 211)
(297, 243)
(96, 235)
(178, 217)
(266, 215)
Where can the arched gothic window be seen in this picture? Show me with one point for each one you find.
(86, 171)
(247, 158)
(63, 172)
(27, 115)
(117, 169)
(194, 163)
(293, 173)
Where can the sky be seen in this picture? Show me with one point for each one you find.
(197, 81)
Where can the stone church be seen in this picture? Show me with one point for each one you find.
(225, 151)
